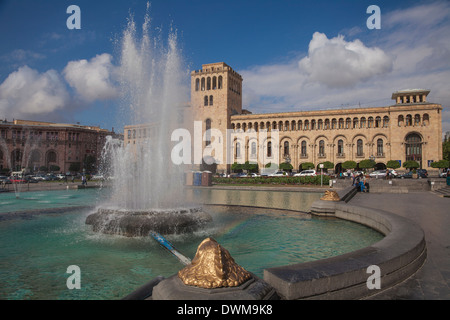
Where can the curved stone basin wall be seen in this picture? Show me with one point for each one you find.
(398, 256)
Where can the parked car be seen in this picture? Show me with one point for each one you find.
(279, 174)
(423, 173)
(306, 173)
(60, 176)
(443, 174)
(393, 173)
(378, 174)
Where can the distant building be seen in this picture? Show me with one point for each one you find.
(37, 145)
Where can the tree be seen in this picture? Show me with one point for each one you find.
(236, 167)
(446, 150)
(271, 165)
(441, 164)
(54, 168)
(328, 165)
(286, 166)
(307, 165)
(411, 164)
(250, 167)
(349, 165)
(366, 164)
(393, 164)
(75, 167)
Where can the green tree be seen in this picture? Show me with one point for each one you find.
(366, 164)
(349, 165)
(75, 167)
(393, 164)
(307, 165)
(250, 167)
(441, 164)
(54, 168)
(446, 150)
(236, 167)
(328, 165)
(286, 166)
(410, 164)
(271, 165)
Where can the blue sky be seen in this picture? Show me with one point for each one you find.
(293, 55)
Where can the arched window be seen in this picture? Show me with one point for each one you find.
(238, 150)
(348, 123)
(333, 124)
(370, 122)
(280, 125)
(219, 84)
(380, 147)
(320, 124)
(327, 124)
(253, 149)
(210, 100)
(274, 125)
(129, 134)
(417, 120)
(313, 124)
(268, 126)
(400, 120)
(303, 149)
(359, 148)
(426, 119)
(208, 83)
(299, 125)
(355, 123)
(286, 148)
(414, 148)
(293, 125)
(197, 84)
(408, 120)
(362, 123)
(205, 101)
(377, 122)
(286, 125)
(385, 121)
(321, 148)
(214, 83)
(341, 123)
(306, 125)
(208, 132)
(269, 149)
(340, 149)
(203, 84)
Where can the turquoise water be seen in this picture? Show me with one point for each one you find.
(35, 250)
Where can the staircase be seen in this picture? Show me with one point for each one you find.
(444, 192)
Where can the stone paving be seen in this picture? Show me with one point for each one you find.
(432, 213)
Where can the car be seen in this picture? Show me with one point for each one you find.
(443, 174)
(253, 175)
(60, 176)
(406, 175)
(306, 173)
(97, 177)
(278, 174)
(423, 173)
(378, 174)
(393, 173)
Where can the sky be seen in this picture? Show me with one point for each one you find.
(293, 55)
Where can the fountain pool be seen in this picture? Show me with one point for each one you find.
(36, 249)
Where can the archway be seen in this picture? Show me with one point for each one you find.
(413, 142)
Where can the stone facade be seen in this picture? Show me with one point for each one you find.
(410, 129)
(35, 144)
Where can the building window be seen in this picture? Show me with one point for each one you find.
(362, 123)
(286, 148)
(400, 120)
(333, 124)
(408, 120)
(210, 100)
(238, 150)
(417, 120)
(414, 148)
(320, 124)
(327, 124)
(214, 83)
(205, 101)
(208, 132)
(219, 83)
(355, 123)
(269, 149)
(340, 147)
(321, 148)
(208, 83)
(293, 125)
(341, 123)
(359, 148)
(197, 84)
(253, 149)
(377, 122)
(380, 147)
(385, 121)
(313, 124)
(348, 123)
(303, 148)
(203, 84)
(426, 119)
(370, 122)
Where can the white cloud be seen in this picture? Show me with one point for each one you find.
(92, 79)
(338, 63)
(412, 50)
(26, 92)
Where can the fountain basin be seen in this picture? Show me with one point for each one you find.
(138, 223)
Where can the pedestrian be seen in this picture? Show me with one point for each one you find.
(387, 174)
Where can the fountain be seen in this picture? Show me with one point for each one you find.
(147, 186)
